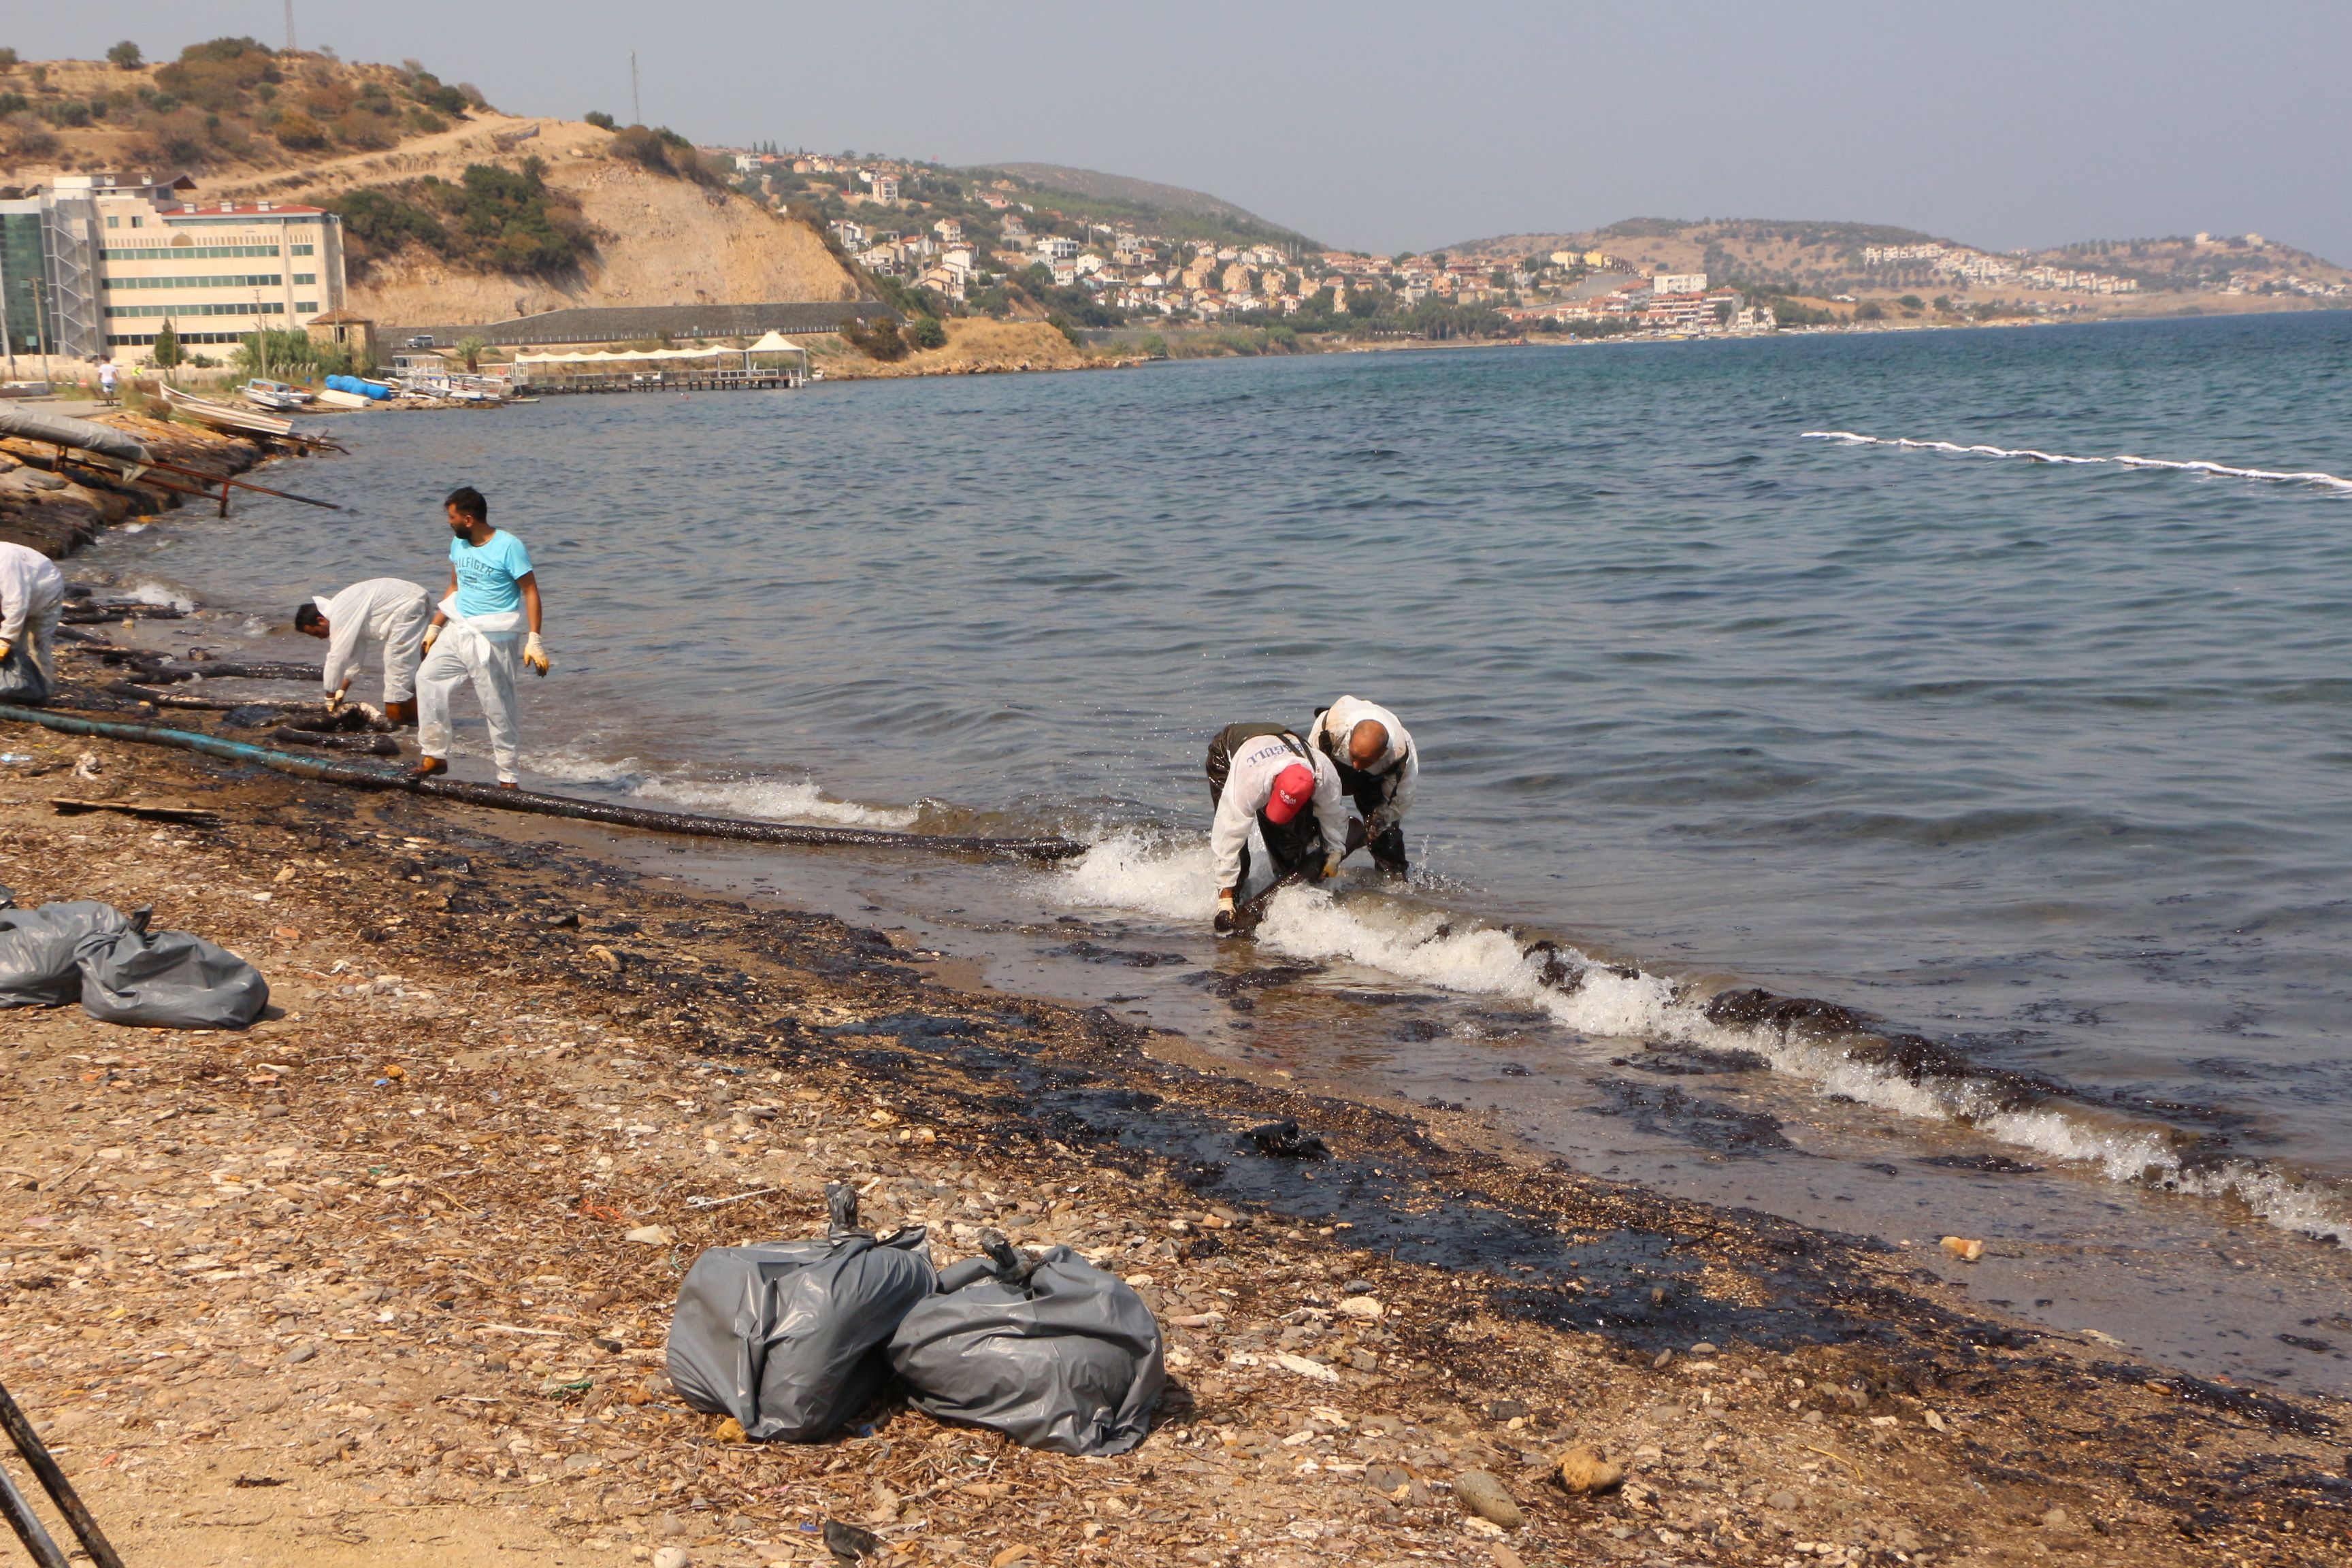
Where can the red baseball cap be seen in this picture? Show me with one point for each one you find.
(1294, 786)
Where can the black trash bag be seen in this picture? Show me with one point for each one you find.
(21, 680)
(37, 948)
(787, 1336)
(1044, 1348)
(166, 979)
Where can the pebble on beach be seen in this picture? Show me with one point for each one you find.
(671, 1557)
(1583, 1470)
(1485, 1495)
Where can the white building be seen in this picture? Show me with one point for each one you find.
(1678, 283)
(114, 257)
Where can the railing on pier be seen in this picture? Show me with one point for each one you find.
(539, 384)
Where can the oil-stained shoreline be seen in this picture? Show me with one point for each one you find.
(1525, 1309)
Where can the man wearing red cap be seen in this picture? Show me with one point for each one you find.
(1266, 775)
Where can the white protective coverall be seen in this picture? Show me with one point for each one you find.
(386, 610)
(32, 591)
(486, 650)
(1255, 764)
(1398, 766)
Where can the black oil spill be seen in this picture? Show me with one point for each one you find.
(1668, 1112)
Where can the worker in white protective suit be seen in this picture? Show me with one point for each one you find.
(1265, 776)
(387, 612)
(1379, 769)
(487, 625)
(32, 591)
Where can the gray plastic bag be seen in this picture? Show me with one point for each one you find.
(21, 680)
(787, 1336)
(37, 948)
(121, 972)
(168, 978)
(1048, 1349)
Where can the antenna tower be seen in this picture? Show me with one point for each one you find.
(636, 110)
(290, 27)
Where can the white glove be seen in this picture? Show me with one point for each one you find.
(1225, 902)
(534, 654)
(335, 698)
(430, 633)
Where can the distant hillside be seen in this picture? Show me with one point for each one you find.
(1120, 188)
(1817, 257)
(1117, 196)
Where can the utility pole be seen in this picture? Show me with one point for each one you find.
(290, 27)
(636, 110)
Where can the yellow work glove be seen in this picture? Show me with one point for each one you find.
(1331, 865)
(430, 633)
(534, 654)
(4, 646)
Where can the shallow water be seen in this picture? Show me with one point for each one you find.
(2043, 760)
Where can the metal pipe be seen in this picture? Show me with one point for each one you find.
(53, 1481)
(28, 1524)
(365, 775)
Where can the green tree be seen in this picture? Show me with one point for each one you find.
(602, 121)
(125, 55)
(167, 345)
(927, 333)
(470, 350)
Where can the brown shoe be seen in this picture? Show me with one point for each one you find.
(427, 767)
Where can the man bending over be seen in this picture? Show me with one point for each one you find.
(1262, 773)
(385, 611)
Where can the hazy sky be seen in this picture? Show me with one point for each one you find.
(1383, 126)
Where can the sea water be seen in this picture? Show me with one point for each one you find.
(2043, 760)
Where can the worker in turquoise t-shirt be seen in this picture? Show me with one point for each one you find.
(493, 600)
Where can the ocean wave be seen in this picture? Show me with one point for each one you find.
(1847, 438)
(1168, 875)
(759, 799)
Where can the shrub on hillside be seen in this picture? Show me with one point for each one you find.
(601, 120)
(298, 132)
(664, 151)
(125, 55)
(877, 340)
(927, 333)
(219, 75)
(493, 219)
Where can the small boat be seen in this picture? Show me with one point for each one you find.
(221, 416)
(276, 396)
(335, 397)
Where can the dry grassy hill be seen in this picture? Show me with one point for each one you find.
(570, 214)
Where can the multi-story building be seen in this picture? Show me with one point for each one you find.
(93, 266)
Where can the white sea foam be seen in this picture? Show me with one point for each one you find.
(1169, 876)
(765, 800)
(147, 591)
(2324, 481)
